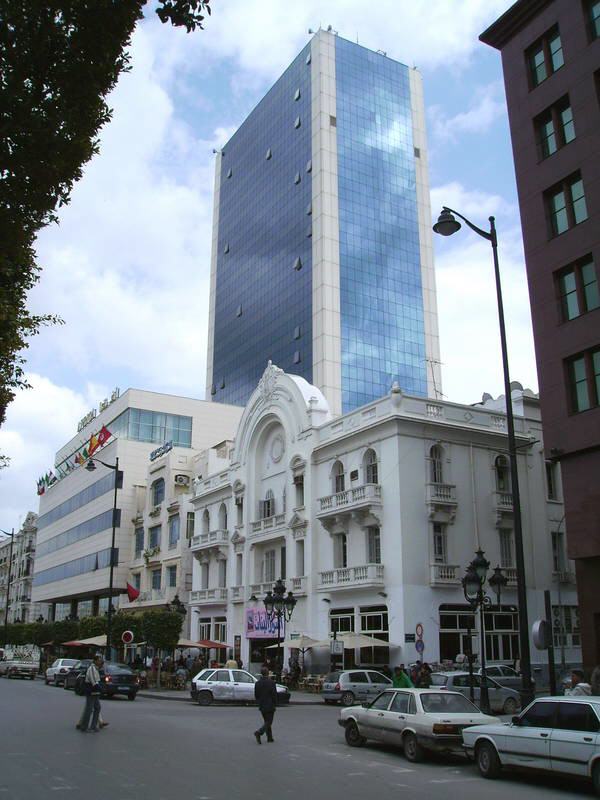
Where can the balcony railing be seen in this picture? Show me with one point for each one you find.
(504, 500)
(442, 493)
(267, 524)
(444, 574)
(209, 596)
(261, 588)
(349, 577)
(210, 539)
(510, 573)
(237, 594)
(298, 585)
(150, 596)
(369, 493)
(563, 576)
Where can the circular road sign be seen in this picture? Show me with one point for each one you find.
(419, 630)
(127, 637)
(419, 645)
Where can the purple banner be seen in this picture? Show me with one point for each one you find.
(259, 627)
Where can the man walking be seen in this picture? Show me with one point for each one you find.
(578, 685)
(265, 692)
(92, 696)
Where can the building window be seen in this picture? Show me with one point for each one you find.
(154, 536)
(156, 579)
(583, 374)
(545, 57)
(502, 470)
(283, 562)
(440, 546)
(268, 565)
(374, 622)
(172, 576)
(297, 357)
(223, 517)
(189, 525)
(506, 548)
(558, 551)
(565, 624)
(551, 488)
(220, 629)
(554, 128)
(139, 542)
(299, 486)
(137, 580)
(173, 531)
(341, 620)
(370, 467)
(239, 504)
(593, 12)
(158, 492)
(436, 456)
(204, 575)
(267, 506)
(578, 289)
(373, 545)
(205, 521)
(239, 563)
(204, 627)
(339, 481)
(340, 551)
(300, 558)
(565, 205)
(222, 573)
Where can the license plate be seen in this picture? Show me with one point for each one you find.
(125, 688)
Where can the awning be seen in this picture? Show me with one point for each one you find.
(93, 641)
(210, 645)
(299, 643)
(353, 640)
(185, 643)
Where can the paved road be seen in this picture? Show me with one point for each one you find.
(156, 750)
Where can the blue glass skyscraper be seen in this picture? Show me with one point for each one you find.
(322, 255)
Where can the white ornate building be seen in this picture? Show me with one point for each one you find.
(371, 518)
(20, 608)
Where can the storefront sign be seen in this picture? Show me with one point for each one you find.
(258, 625)
(160, 451)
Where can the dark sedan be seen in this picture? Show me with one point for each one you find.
(114, 679)
(80, 668)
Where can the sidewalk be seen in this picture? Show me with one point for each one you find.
(297, 698)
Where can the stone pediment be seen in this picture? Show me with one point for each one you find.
(297, 521)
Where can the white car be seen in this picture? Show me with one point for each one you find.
(416, 719)
(57, 672)
(556, 734)
(229, 685)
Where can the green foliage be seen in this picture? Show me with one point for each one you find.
(162, 628)
(126, 621)
(42, 632)
(59, 59)
(65, 631)
(92, 626)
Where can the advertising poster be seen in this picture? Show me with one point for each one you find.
(258, 625)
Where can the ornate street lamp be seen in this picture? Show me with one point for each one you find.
(447, 225)
(281, 606)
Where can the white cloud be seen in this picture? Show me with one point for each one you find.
(489, 106)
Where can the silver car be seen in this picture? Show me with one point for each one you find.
(505, 676)
(353, 686)
(228, 685)
(58, 671)
(502, 699)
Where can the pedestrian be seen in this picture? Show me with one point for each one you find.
(401, 679)
(595, 681)
(92, 696)
(578, 684)
(415, 675)
(425, 677)
(265, 692)
(385, 670)
(231, 663)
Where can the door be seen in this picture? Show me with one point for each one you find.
(460, 683)
(496, 694)
(528, 743)
(510, 678)
(373, 718)
(221, 685)
(396, 717)
(358, 684)
(378, 683)
(243, 686)
(575, 738)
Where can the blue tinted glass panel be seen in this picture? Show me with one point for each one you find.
(263, 220)
(383, 336)
(78, 500)
(79, 566)
(84, 530)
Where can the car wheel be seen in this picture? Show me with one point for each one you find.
(412, 749)
(510, 706)
(205, 698)
(347, 699)
(596, 777)
(353, 736)
(131, 695)
(487, 760)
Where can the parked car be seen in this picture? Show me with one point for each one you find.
(56, 673)
(502, 699)
(229, 685)
(79, 668)
(418, 720)
(555, 734)
(505, 676)
(353, 686)
(18, 668)
(114, 679)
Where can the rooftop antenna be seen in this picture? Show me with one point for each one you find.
(431, 362)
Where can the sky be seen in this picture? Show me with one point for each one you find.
(127, 267)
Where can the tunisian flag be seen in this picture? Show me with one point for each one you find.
(132, 593)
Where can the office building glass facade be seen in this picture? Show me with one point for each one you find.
(382, 327)
(263, 304)
(153, 426)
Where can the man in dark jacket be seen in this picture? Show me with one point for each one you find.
(265, 692)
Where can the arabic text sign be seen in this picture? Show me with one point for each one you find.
(258, 625)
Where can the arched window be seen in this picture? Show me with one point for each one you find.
(370, 467)
(223, 517)
(338, 477)
(502, 469)
(158, 491)
(205, 521)
(267, 506)
(436, 457)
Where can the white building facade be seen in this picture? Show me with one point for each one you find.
(371, 519)
(18, 592)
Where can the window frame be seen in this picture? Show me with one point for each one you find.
(591, 379)
(565, 188)
(543, 46)
(553, 115)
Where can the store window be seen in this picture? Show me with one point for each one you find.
(565, 624)
(374, 622)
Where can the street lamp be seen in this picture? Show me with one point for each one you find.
(473, 584)
(90, 467)
(281, 606)
(447, 225)
(12, 541)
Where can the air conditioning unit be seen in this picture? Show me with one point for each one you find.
(182, 480)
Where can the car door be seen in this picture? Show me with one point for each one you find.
(510, 678)
(496, 694)
(221, 685)
(373, 718)
(243, 686)
(461, 683)
(574, 739)
(396, 717)
(358, 684)
(377, 683)
(528, 742)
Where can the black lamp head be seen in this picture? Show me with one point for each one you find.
(90, 466)
(447, 224)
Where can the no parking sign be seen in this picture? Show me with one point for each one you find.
(419, 643)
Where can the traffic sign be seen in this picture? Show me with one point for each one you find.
(127, 637)
(419, 645)
(337, 647)
(419, 630)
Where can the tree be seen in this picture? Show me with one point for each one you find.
(92, 626)
(162, 630)
(58, 61)
(66, 630)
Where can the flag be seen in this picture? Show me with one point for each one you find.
(84, 455)
(103, 436)
(132, 593)
(93, 445)
(40, 486)
(79, 459)
(51, 478)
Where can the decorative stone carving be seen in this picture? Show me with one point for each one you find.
(277, 448)
(268, 382)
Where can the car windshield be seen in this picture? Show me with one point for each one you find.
(438, 680)
(204, 674)
(111, 669)
(333, 677)
(446, 703)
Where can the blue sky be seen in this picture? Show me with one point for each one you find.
(128, 265)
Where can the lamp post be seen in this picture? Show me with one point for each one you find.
(281, 606)
(473, 584)
(12, 541)
(446, 225)
(91, 466)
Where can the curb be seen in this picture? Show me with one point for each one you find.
(158, 696)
